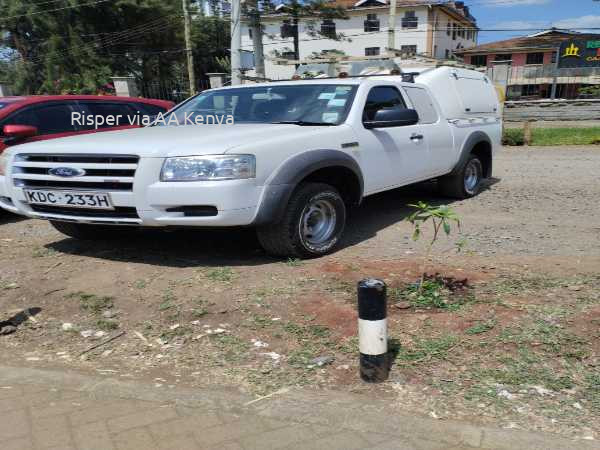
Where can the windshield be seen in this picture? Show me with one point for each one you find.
(302, 104)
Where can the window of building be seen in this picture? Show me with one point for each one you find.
(447, 56)
(410, 20)
(288, 29)
(449, 29)
(288, 55)
(535, 58)
(328, 28)
(372, 23)
(503, 58)
(371, 51)
(409, 50)
(479, 60)
(381, 97)
(554, 56)
(250, 33)
(454, 31)
(461, 32)
(529, 90)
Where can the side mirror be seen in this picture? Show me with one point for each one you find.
(393, 117)
(15, 133)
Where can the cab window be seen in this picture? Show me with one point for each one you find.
(381, 97)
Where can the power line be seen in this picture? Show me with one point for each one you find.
(121, 36)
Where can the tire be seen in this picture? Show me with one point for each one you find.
(311, 226)
(86, 232)
(466, 182)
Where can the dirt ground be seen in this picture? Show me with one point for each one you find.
(519, 347)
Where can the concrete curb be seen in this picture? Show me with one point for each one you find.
(337, 410)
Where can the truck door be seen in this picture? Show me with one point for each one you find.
(404, 147)
(437, 133)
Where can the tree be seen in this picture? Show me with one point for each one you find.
(77, 49)
(309, 12)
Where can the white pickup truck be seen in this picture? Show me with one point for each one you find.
(299, 154)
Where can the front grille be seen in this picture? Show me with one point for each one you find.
(102, 172)
(81, 186)
(120, 212)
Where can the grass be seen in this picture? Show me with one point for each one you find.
(553, 136)
(481, 327)
(427, 349)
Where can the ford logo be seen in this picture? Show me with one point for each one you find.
(66, 172)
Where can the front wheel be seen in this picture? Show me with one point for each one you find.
(88, 232)
(466, 182)
(312, 224)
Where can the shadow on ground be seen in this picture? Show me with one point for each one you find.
(8, 217)
(239, 246)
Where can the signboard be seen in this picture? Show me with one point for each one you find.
(579, 53)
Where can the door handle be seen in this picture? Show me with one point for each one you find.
(416, 137)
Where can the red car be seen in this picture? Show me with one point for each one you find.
(40, 117)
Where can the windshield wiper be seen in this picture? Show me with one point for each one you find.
(303, 123)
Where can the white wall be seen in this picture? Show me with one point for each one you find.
(353, 28)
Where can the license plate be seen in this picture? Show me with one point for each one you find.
(72, 199)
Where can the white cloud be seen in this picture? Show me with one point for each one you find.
(508, 3)
(519, 25)
(579, 22)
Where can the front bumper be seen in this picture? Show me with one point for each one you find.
(151, 202)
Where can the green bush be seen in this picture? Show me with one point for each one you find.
(513, 136)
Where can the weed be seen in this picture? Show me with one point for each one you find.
(106, 324)
(92, 302)
(140, 284)
(41, 252)
(232, 347)
(293, 262)
(481, 327)
(168, 300)
(592, 390)
(223, 274)
(440, 217)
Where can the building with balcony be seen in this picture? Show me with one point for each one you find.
(529, 66)
(431, 28)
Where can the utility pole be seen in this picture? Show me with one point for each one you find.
(392, 26)
(187, 25)
(236, 43)
(257, 42)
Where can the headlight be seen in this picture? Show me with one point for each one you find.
(209, 168)
(3, 163)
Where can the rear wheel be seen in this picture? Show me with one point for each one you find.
(311, 226)
(88, 232)
(466, 182)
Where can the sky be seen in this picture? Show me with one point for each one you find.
(525, 14)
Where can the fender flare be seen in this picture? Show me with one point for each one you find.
(280, 186)
(474, 138)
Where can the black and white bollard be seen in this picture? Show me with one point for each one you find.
(372, 330)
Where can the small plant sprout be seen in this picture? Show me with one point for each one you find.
(440, 218)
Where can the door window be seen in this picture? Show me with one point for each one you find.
(48, 119)
(423, 104)
(381, 97)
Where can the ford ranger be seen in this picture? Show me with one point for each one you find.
(288, 158)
